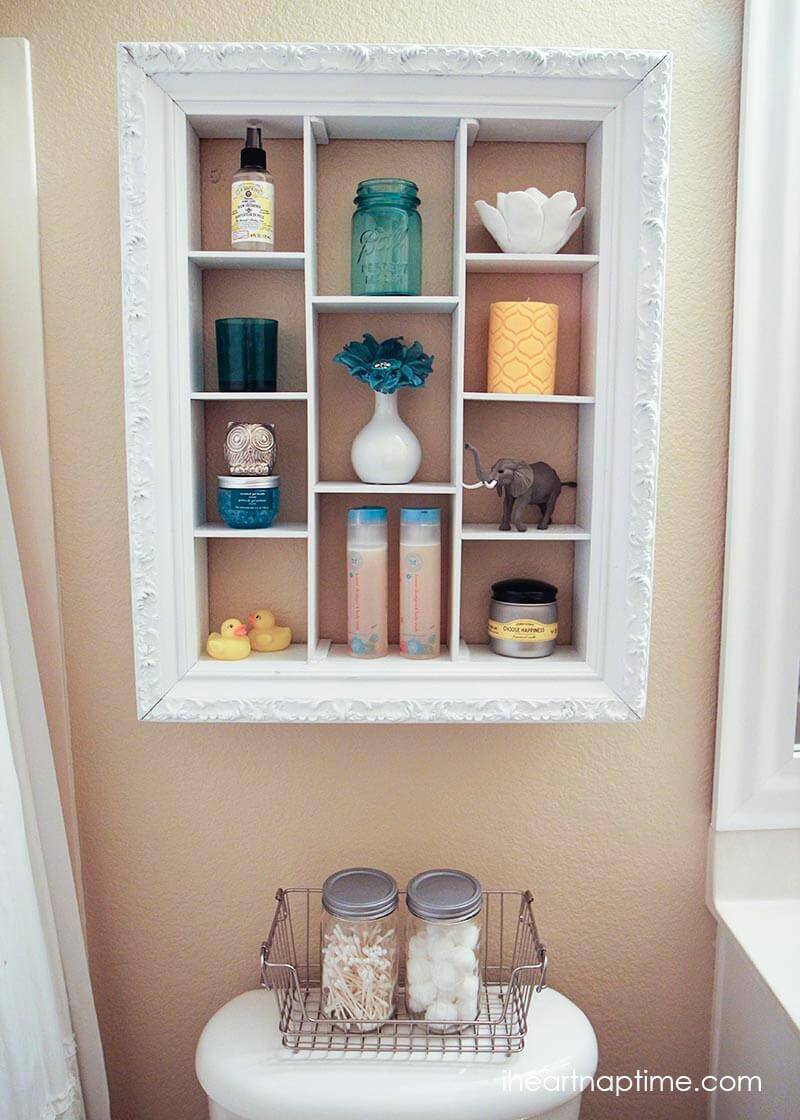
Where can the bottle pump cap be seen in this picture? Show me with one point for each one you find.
(253, 154)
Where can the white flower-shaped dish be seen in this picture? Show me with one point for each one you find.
(530, 222)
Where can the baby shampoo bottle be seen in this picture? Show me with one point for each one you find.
(367, 582)
(420, 582)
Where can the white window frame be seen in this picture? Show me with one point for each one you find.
(757, 782)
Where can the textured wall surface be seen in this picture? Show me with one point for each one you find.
(186, 831)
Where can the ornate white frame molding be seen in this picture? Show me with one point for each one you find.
(649, 348)
(391, 711)
(139, 405)
(358, 58)
(138, 62)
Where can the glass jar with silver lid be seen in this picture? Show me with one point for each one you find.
(443, 948)
(360, 948)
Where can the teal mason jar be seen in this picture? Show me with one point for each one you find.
(386, 239)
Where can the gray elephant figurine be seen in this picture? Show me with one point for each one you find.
(521, 484)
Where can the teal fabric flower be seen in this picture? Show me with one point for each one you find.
(386, 366)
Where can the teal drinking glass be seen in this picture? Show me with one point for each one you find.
(247, 355)
(386, 239)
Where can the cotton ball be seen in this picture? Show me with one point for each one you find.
(463, 958)
(467, 990)
(466, 933)
(418, 969)
(414, 1005)
(418, 946)
(441, 1011)
(440, 947)
(423, 993)
(444, 976)
(467, 1010)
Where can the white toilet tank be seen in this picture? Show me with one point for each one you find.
(247, 1074)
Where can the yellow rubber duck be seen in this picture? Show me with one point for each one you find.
(266, 637)
(231, 643)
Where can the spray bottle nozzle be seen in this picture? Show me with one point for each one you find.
(253, 154)
(253, 137)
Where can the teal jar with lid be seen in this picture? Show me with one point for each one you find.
(248, 502)
(386, 239)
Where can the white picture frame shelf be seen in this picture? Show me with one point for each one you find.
(615, 104)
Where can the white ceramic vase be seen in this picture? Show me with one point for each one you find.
(386, 451)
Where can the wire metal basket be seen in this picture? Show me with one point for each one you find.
(513, 966)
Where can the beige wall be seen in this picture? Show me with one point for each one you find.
(186, 831)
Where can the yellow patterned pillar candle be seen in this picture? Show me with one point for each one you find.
(523, 340)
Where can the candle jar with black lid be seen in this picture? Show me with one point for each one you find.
(523, 618)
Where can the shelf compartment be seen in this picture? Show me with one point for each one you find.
(345, 405)
(332, 575)
(269, 294)
(245, 575)
(434, 305)
(381, 488)
(291, 465)
(487, 561)
(282, 530)
(566, 290)
(554, 263)
(205, 258)
(343, 163)
(219, 159)
(477, 532)
(550, 435)
(528, 398)
(501, 165)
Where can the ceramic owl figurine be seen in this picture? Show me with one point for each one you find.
(250, 449)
